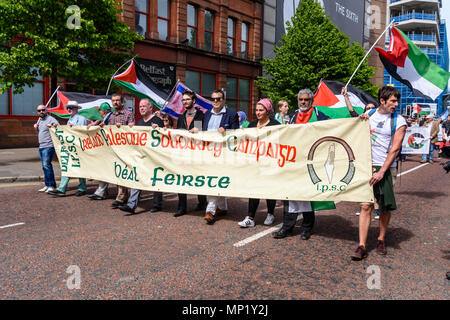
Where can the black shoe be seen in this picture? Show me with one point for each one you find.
(179, 213)
(96, 197)
(126, 208)
(155, 209)
(58, 193)
(200, 207)
(80, 193)
(282, 233)
(116, 204)
(306, 234)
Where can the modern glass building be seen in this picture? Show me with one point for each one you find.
(420, 20)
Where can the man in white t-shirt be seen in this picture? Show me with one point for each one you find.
(387, 131)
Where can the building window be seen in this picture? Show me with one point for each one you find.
(141, 16)
(192, 25)
(209, 30)
(203, 83)
(163, 19)
(238, 95)
(4, 104)
(23, 104)
(230, 36)
(244, 41)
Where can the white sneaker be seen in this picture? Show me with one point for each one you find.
(377, 215)
(44, 189)
(247, 222)
(358, 213)
(269, 220)
(50, 189)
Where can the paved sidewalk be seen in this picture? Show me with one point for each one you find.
(23, 165)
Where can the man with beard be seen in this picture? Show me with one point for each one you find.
(188, 121)
(119, 117)
(46, 149)
(305, 113)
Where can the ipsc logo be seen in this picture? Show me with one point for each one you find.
(331, 167)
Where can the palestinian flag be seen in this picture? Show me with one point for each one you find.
(88, 104)
(138, 83)
(329, 100)
(411, 66)
(422, 109)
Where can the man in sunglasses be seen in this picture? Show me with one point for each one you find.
(74, 120)
(305, 113)
(46, 149)
(219, 119)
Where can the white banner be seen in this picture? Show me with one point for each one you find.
(417, 140)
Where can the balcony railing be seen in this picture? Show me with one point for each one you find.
(414, 15)
(419, 37)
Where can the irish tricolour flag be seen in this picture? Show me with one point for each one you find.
(408, 64)
(138, 83)
(88, 104)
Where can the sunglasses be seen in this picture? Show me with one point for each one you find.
(216, 99)
(41, 110)
(301, 99)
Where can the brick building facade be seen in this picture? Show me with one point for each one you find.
(209, 44)
(204, 44)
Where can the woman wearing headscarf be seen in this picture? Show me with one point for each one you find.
(243, 123)
(262, 110)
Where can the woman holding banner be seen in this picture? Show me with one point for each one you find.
(262, 110)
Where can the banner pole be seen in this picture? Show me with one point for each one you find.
(392, 22)
(51, 97)
(170, 94)
(109, 85)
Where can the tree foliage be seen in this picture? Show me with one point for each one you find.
(313, 49)
(40, 38)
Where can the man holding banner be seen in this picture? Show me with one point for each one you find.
(387, 131)
(219, 118)
(120, 117)
(148, 119)
(306, 113)
(74, 120)
(192, 120)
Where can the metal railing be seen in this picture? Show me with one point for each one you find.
(414, 15)
(418, 37)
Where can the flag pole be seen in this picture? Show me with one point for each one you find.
(51, 97)
(392, 22)
(109, 85)
(170, 94)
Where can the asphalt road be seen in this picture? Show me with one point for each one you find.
(45, 241)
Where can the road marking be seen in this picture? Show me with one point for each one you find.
(412, 169)
(276, 228)
(12, 225)
(12, 185)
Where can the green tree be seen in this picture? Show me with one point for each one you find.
(313, 49)
(82, 40)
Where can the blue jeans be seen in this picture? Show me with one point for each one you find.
(46, 155)
(430, 154)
